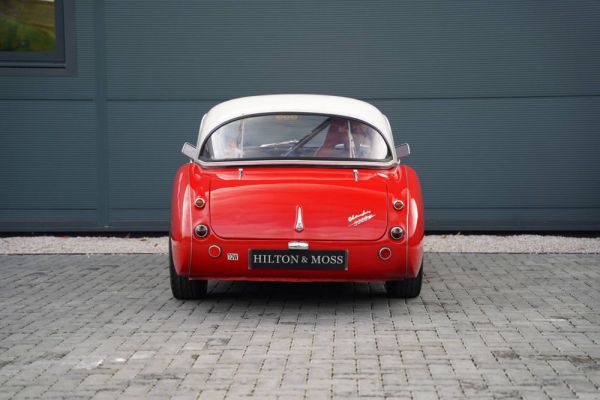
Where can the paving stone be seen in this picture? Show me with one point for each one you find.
(486, 326)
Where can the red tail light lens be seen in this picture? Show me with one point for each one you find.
(201, 230)
(385, 253)
(396, 233)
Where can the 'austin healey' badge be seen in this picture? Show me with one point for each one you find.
(357, 219)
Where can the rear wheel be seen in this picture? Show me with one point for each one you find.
(182, 287)
(406, 288)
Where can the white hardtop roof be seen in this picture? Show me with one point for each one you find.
(294, 103)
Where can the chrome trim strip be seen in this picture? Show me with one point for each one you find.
(322, 163)
(299, 224)
(298, 246)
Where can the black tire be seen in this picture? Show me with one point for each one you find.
(182, 287)
(406, 288)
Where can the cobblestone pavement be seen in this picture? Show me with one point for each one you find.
(485, 326)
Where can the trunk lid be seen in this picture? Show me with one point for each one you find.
(266, 203)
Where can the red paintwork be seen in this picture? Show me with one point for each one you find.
(415, 222)
(181, 227)
(258, 211)
(263, 206)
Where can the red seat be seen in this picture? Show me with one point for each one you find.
(337, 134)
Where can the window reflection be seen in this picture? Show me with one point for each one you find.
(27, 26)
(288, 136)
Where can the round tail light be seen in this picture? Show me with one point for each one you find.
(398, 205)
(201, 230)
(199, 202)
(214, 251)
(396, 233)
(385, 253)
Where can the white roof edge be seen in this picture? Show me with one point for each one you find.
(295, 103)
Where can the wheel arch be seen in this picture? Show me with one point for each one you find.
(415, 223)
(181, 221)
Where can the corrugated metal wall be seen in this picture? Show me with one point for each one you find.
(500, 102)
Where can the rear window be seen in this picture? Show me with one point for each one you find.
(296, 136)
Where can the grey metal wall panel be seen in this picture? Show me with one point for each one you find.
(499, 100)
(48, 220)
(48, 152)
(512, 219)
(145, 150)
(371, 49)
(502, 153)
(513, 163)
(151, 219)
(48, 155)
(80, 86)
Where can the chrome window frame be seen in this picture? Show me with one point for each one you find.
(385, 163)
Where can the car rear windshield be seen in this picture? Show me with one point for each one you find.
(295, 136)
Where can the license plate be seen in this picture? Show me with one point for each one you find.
(298, 259)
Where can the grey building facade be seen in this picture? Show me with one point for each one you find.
(500, 102)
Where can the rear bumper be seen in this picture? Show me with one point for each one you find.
(363, 261)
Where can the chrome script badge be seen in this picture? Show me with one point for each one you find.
(357, 219)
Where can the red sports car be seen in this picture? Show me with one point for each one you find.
(296, 188)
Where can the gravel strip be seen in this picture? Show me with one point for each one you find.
(433, 244)
(510, 244)
(82, 245)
